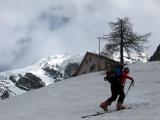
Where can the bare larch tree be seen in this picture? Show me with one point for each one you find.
(123, 39)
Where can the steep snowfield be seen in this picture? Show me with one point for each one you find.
(78, 96)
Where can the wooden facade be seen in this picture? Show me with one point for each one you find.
(93, 62)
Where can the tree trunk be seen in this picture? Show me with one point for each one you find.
(121, 44)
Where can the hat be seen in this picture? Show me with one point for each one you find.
(126, 69)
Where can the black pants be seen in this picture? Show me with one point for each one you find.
(116, 90)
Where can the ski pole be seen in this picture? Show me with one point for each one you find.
(129, 88)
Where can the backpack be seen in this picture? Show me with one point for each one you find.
(110, 75)
(114, 73)
(118, 70)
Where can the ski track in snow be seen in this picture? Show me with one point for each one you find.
(78, 96)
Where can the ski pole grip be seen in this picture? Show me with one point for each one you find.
(132, 83)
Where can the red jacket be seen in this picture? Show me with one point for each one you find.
(124, 76)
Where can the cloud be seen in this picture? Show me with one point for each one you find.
(53, 20)
(30, 30)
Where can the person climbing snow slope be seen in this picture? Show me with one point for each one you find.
(117, 88)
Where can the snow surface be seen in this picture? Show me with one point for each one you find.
(79, 96)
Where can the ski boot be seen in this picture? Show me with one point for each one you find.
(104, 105)
(120, 106)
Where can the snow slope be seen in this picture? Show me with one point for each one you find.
(78, 96)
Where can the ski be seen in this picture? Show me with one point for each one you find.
(100, 113)
(130, 106)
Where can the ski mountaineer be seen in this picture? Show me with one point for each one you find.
(117, 87)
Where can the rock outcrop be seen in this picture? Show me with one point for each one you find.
(156, 55)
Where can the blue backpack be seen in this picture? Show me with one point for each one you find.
(118, 71)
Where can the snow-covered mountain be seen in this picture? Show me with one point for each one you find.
(79, 96)
(132, 58)
(47, 70)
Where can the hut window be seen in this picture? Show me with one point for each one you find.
(86, 61)
(89, 59)
(92, 68)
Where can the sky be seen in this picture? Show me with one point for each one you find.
(31, 30)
